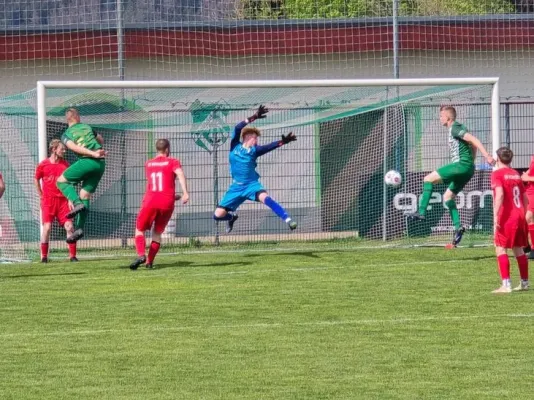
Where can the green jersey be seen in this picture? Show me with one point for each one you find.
(459, 148)
(83, 136)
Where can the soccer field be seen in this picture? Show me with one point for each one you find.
(383, 324)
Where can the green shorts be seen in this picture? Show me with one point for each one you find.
(457, 175)
(88, 171)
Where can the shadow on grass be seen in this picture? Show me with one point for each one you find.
(41, 275)
(190, 264)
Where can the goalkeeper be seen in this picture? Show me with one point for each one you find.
(463, 146)
(244, 151)
(87, 170)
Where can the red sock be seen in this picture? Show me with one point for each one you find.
(140, 245)
(44, 250)
(504, 266)
(531, 233)
(72, 249)
(522, 262)
(154, 247)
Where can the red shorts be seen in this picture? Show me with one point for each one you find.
(148, 216)
(55, 208)
(530, 202)
(512, 235)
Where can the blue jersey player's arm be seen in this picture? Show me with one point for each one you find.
(262, 150)
(236, 135)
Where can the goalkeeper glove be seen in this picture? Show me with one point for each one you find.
(290, 137)
(260, 113)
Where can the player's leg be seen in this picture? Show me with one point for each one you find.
(144, 221)
(160, 223)
(459, 176)
(263, 197)
(94, 170)
(226, 208)
(504, 269)
(522, 263)
(47, 215)
(45, 238)
(428, 184)
(65, 183)
(61, 215)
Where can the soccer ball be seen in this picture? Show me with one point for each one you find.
(393, 178)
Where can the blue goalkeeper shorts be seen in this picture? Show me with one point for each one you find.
(237, 194)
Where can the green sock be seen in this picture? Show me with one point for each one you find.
(455, 215)
(69, 191)
(82, 217)
(427, 193)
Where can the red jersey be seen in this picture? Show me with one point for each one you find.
(161, 187)
(512, 207)
(49, 172)
(530, 185)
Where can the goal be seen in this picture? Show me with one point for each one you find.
(350, 132)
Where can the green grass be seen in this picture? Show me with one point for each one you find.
(380, 324)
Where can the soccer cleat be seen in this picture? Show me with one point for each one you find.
(230, 224)
(503, 290)
(76, 210)
(415, 216)
(292, 225)
(527, 249)
(149, 265)
(458, 234)
(138, 261)
(44, 260)
(73, 259)
(522, 287)
(76, 235)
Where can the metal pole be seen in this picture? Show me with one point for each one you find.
(396, 39)
(385, 169)
(216, 181)
(507, 123)
(120, 40)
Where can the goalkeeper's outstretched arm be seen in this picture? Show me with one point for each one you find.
(260, 113)
(261, 150)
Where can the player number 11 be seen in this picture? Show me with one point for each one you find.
(157, 181)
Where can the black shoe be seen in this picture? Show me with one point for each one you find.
(149, 266)
(138, 261)
(415, 216)
(76, 210)
(44, 260)
(292, 225)
(76, 235)
(458, 234)
(73, 259)
(230, 224)
(527, 249)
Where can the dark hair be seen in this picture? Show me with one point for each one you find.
(450, 109)
(162, 145)
(505, 155)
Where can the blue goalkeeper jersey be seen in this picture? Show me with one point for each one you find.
(243, 160)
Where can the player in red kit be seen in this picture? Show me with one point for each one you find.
(528, 178)
(53, 204)
(509, 204)
(158, 203)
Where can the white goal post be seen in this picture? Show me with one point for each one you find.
(351, 131)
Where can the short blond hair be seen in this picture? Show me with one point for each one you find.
(54, 144)
(250, 130)
(451, 110)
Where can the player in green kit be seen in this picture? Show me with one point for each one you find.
(88, 170)
(463, 148)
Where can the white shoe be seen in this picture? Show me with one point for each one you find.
(522, 287)
(502, 290)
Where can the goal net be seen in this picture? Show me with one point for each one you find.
(330, 180)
